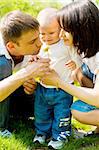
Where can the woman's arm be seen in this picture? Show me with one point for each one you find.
(88, 95)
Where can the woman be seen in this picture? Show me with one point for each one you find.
(80, 20)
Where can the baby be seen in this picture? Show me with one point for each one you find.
(52, 105)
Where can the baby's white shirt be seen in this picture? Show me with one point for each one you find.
(59, 54)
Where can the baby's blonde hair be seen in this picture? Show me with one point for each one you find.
(46, 16)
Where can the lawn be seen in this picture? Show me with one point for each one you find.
(23, 133)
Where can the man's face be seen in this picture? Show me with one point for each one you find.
(28, 44)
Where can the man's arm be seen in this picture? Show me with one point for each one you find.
(11, 83)
(33, 70)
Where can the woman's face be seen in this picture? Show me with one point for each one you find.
(67, 37)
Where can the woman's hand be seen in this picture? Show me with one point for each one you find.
(51, 78)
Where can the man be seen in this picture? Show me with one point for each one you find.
(19, 36)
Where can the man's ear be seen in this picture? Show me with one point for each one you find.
(10, 46)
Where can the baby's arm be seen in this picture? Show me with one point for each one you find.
(74, 69)
(71, 65)
(75, 57)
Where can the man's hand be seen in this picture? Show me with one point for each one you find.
(29, 86)
(37, 68)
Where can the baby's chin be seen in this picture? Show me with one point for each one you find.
(50, 42)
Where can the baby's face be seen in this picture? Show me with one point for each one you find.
(49, 34)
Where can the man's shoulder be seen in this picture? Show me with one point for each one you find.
(4, 61)
(5, 67)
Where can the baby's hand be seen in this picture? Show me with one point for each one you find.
(71, 65)
(34, 58)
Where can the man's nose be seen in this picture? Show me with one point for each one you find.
(39, 43)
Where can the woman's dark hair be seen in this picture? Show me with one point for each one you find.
(81, 19)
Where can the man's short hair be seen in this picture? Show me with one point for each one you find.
(15, 23)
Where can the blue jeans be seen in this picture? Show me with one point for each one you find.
(80, 105)
(21, 109)
(52, 112)
(5, 71)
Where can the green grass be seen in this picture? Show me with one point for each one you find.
(24, 132)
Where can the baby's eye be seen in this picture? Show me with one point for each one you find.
(51, 33)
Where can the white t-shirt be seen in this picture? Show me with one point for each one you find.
(59, 54)
(93, 62)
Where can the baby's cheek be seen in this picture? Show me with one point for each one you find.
(42, 39)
